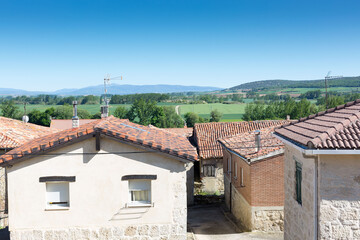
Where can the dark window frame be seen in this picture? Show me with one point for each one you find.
(209, 170)
(298, 181)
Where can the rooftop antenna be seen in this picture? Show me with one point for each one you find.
(25, 118)
(105, 107)
(328, 77)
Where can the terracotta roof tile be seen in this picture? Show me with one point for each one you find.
(244, 144)
(63, 124)
(122, 129)
(336, 128)
(207, 134)
(13, 132)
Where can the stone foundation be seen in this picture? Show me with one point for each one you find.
(268, 220)
(130, 232)
(250, 218)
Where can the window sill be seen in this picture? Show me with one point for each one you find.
(58, 209)
(135, 205)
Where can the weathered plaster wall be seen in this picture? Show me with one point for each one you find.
(339, 194)
(98, 197)
(213, 184)
(299, 220)
(3, 215)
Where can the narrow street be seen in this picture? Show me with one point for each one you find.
(209, 223)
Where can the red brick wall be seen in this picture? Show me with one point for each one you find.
(244, 190)
(267, 181)
(263, 180)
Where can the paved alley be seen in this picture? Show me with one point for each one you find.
(209, 223)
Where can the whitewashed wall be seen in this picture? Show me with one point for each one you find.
(99, 196)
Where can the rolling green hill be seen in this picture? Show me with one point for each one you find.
(276, 84)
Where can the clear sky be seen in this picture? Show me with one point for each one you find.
(55, 44)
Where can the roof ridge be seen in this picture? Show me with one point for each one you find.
(338, 124)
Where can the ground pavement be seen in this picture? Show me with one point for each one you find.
(209, 223)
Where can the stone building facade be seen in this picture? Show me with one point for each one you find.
(322, 179)
(299, 219)
(254, 181)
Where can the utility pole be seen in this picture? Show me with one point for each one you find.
(328, 77)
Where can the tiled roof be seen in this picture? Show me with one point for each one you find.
(207, 134)
(244, 144)
(185, 132)
(118, 128)
(63, 124)
(13, 132)
(336, 128)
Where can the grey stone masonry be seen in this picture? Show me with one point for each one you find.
(339, 193)
(130, 232)
(299, 219)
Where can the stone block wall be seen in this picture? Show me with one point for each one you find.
(268, 219)
(339, 191)
(251, 218)
(299, 219)
(130, 232)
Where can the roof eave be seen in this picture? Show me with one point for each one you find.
(318, 151)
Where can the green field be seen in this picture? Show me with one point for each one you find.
(231, 112)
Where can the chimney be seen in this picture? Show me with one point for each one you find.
(257, 140)
(75, 118)
(104, 111)
(288, 117)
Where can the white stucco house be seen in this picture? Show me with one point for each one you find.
(108, 179)
(13, 133)
(322, 175)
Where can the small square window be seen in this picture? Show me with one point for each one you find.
(57, 195)
(208, 170)
(139, 192)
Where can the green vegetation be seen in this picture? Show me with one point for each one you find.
(273, 99)
(279, 110)
(233, 112)
(8, 109)
(277, 84)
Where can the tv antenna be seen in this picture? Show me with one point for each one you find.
(25, 118)
(328, 77)
(105, 108)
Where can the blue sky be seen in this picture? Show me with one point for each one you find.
(55, 44)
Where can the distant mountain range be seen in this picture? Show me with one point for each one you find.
(113, 89)
(319, 83)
